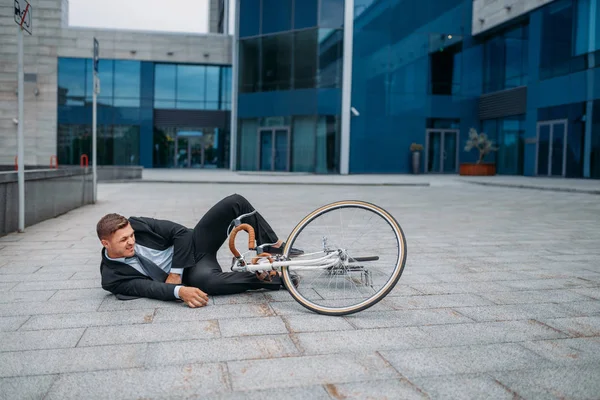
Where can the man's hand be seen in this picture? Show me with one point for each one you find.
(193, 297)
(174, 279)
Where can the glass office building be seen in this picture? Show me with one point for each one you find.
(148, 113)
(418, 74)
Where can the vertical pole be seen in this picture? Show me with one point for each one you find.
(347, 87)
(20, 126)
(94, 149)
(234, 88)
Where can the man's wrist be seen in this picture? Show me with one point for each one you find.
(176, 291)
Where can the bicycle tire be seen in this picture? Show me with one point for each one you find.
(378, 296)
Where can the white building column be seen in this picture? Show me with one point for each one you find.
(234, 87)
(347, 87)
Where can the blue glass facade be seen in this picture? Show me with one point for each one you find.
(143, 113)
(420, 76)
(289, 85)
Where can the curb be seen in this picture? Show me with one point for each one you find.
(418, 184)
(531, 187)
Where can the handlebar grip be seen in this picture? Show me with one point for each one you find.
(234, 232)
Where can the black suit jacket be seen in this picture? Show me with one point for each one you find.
(126, 282)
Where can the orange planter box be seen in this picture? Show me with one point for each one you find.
(473, 169)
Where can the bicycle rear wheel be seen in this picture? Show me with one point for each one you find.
(372, 250)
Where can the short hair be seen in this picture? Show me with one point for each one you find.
(109, 224)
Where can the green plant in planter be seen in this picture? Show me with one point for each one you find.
(416, 147)
(481, 142)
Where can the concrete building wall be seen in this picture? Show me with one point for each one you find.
(52, 39)
(214, 15)
(488, 14)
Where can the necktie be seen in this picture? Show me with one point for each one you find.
(152, 269)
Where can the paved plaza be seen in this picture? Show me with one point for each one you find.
(500, 299)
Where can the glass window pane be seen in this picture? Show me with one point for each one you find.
(303, 147)
(305, 13)
(557, 33)
(125, 145)
(71, 81)
(249, 17)
(330, 58)
(276, 62)
(191, 86)
(276, 16)
(225, 88)
(164, 85)
(127, 83)
(305, 58)
(332, 13)
(249, 64)
(212, 88)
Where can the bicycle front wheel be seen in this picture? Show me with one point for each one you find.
(372, 254)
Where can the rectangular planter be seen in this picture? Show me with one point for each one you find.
(474, 169)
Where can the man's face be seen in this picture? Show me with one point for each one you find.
(121, 243)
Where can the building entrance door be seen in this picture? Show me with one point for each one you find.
(274, 149)
(551, 156)
(189, 151)
(441, 151)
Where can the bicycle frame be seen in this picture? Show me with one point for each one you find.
(316, 263)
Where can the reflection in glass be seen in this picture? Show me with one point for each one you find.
(71, 81)
(434, 147)
(212, 88)
(543, 149)
(558, 148)
(127, 83)
(106, 75)
(276, 62)
(450, 162)
(305, 59)
(250, 23)
(330, 58)
(266, 150)
(280, 153)
(191, 86)
(332, 13)
(306, 16)
(276, 16)
(189, 147)
(510, 146)
(249, 65)
(164, 85)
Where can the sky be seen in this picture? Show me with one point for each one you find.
(154, 15)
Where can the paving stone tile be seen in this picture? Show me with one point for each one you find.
(567, 351)
(5, 286)
(484, 276)
(385, 319)
(294, 308)
(462, 387)
(95, 274)
(316, 323)
(542, 284)
(305, 371)
(252, 326)
(582, 308)
(182, 312)
(25, 297)
(8, 324)
(361, 341)
(593, 293)
(111, 303)
(578, 326)
(187, 381)
(534, 296)
(225, 349)
(375, 389)
(316, 392)
(79, 294)
(462, 359)
(436, 301)
(242, 298)
(13, 270)
(409, 278)
(459, 287)
(489, 332)
(26, 387)
(56, 285)
(49, 307)
(509, 312)
(576, 382)
(79, 359)
(38, 340)
(147, 333)
(84, 320)
(284, 295)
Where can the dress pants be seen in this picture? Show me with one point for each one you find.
(209, 235)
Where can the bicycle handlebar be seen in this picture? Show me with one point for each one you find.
(251, 238)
